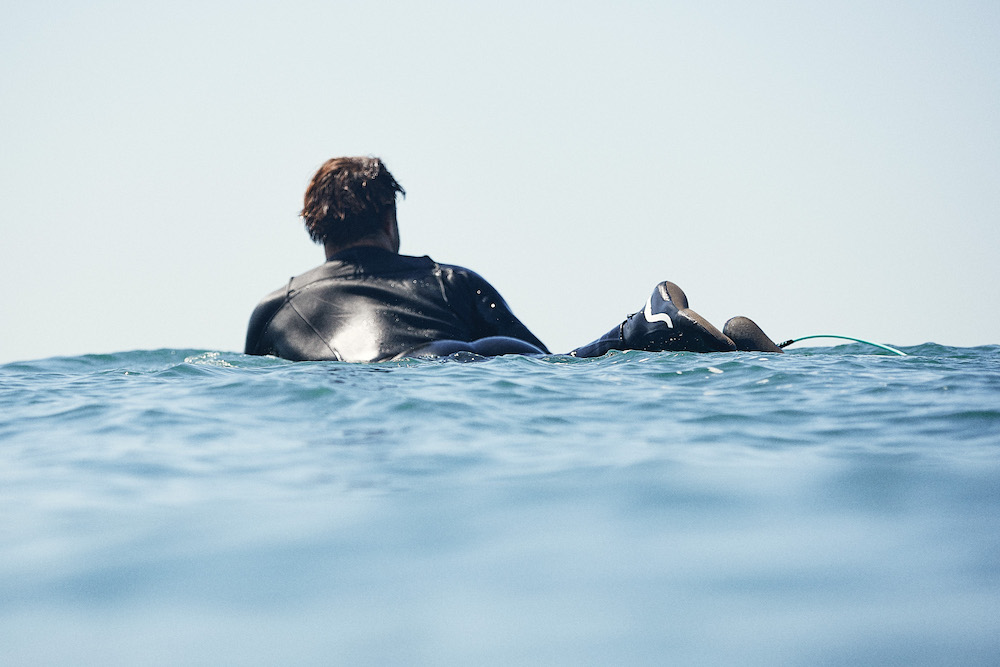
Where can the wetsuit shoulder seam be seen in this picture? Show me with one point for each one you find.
(438, 273)
(313, 329)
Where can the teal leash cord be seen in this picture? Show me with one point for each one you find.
(856, 340)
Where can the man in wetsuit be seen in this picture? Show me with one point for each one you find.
(369, 303)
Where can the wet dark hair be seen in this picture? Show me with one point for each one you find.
(347, 200)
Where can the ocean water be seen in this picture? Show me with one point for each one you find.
(829, 506)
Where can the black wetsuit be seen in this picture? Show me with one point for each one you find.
(369, 304)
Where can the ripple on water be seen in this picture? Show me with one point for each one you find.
(522, 508)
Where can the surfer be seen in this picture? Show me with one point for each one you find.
(368, 302)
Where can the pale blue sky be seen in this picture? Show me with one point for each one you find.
(820, 167)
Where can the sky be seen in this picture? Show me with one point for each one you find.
(823, 168)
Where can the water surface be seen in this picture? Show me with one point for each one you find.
(827, 506)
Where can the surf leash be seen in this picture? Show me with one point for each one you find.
(856, 340)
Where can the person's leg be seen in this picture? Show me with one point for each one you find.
(610, 341)
(748, 336)
(668, 324)
(664, 324)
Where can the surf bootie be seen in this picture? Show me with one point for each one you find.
(664, 324)
(747, 336)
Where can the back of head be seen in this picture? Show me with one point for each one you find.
(348, 200)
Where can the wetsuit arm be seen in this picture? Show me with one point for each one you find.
(494, 317)
(257, 342)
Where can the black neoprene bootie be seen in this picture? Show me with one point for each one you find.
(666, 323)
(748, 336)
